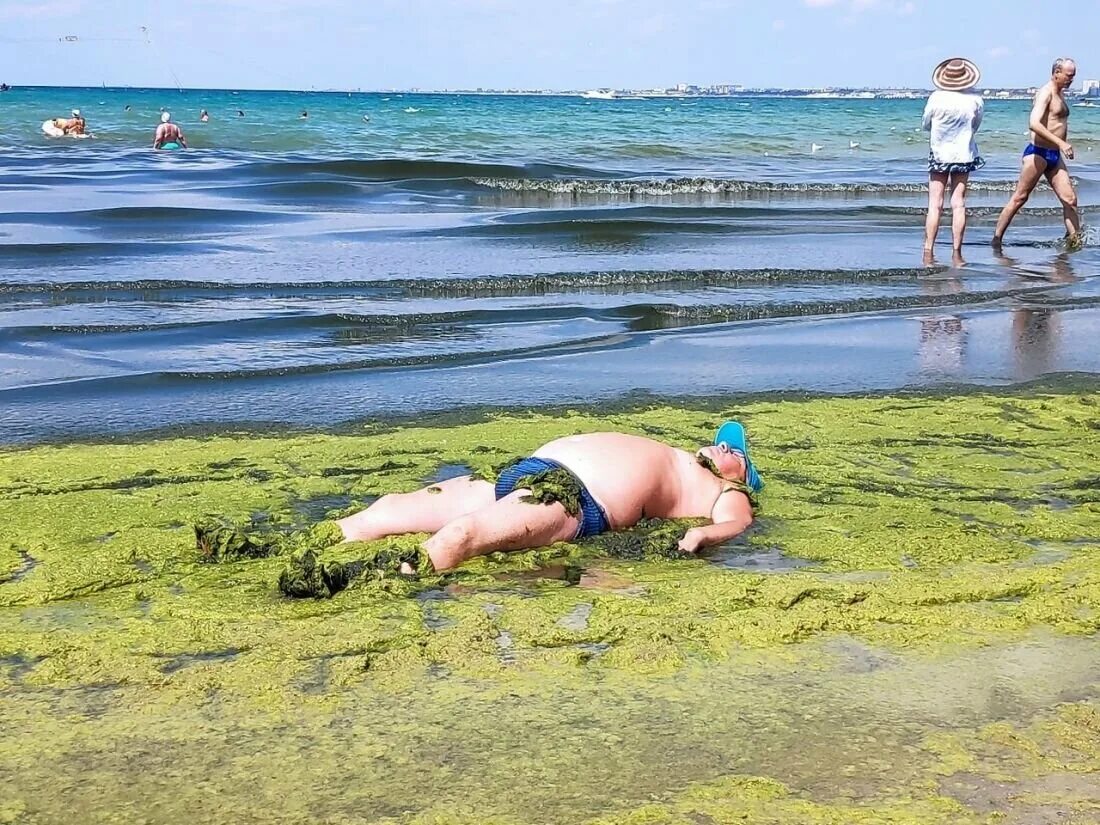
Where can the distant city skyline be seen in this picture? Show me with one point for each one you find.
(502, 44)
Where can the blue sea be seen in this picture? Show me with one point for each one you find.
(389, 255)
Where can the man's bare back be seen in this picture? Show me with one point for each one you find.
(168, 132)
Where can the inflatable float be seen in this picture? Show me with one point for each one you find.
(51, 129)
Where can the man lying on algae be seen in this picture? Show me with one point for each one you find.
(571, 488)
(582, 485)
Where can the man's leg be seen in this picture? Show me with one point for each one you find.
(958, 209)
(1063, 187)
(937, 181)
(1031, 171)
(507, 524)
(424, 511)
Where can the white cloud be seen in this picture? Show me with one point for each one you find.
(779, 25)
(997, 52)
(820, 4)
(907, 8)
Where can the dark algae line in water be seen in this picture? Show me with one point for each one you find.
(507, 284)
(930, 658)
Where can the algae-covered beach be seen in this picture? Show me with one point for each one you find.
(906, 635)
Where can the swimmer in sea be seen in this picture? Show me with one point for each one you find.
(574, 487)
(74, 125)
(168, 133)
(204, 116)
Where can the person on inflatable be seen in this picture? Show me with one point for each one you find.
(169, 135)
(74, 125)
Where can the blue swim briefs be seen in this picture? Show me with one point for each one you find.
(1051, 156)
(593, 520)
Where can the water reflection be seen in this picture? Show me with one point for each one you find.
(942, 344)
(1036, 330)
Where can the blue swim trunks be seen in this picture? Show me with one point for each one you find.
(593, 520)
(1051, 156)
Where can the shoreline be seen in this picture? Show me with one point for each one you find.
(633, 402)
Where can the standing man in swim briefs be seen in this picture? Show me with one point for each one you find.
(168, 132)
(1047, 153)
(610, 481)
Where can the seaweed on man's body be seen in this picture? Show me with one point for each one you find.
(554, 485)
(648, 539)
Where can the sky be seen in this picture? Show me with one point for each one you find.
(546, 44)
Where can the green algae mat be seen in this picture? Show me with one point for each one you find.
(907, 635)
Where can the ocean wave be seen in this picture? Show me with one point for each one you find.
(399, 169)
(633, 318)
(178, 216)
(710, 186)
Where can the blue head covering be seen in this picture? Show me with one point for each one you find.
(732, 434)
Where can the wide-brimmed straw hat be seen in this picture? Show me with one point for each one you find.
(956, 74)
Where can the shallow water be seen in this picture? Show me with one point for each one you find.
(830, 721)
(504, 250)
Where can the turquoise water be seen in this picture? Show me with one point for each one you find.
(673, 135)
(456, 251)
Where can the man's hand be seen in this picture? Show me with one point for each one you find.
(692, 541)
(1067, 149)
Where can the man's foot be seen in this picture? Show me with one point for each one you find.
(997, 242)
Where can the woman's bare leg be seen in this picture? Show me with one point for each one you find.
(958, 209)
(937, 182)
(424, 511)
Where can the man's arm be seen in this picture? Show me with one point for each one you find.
(183, 140)
(1038, 112)
(926, 121)
(732, 515)
(158, 138)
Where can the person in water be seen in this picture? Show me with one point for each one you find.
(304, 115)
(75, 125)
(571, 488)
(1046, 155)
(168, 133)
(952, 116)
(204, 116)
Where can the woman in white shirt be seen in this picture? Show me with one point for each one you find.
(953, 115)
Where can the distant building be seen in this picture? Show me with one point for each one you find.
(1091, 88)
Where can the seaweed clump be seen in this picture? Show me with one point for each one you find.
(220, 540)
(493, 471)
(554, 485)
(648, 539)
(306, 577)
